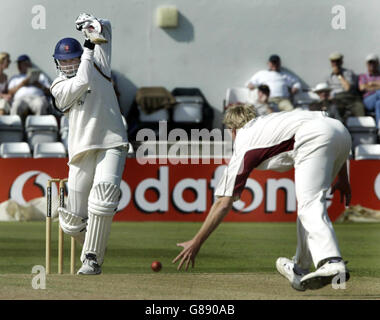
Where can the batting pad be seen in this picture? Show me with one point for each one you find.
(104, 199)
(98, 231)
(102, 205)
(72, 224)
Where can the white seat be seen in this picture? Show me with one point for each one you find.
(188, 109)
(189, 112)
(239, 94)
(11, 129)
(64, 131)
(41, 121)
(49, 150)
(159, 115)
(125, 122)
(64, 123)
(362, 129)
(15, 150)
(131, 150)
(367, 151)
(360, 124)
(303, 99)
(43, 128)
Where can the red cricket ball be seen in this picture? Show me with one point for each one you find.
(156, 266)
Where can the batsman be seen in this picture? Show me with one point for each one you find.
(97, 143)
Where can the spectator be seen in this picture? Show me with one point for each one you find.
(343, 84)
(369, 84)
(262, 104)
(4, 96)
(325, 102)
(282, 85)
(29, 89)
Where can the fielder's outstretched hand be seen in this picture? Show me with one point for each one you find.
(190, 250)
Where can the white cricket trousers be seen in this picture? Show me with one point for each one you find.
(321, 148)
(101, 165)
(38, 105)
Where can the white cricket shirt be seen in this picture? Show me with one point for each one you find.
(265, 143)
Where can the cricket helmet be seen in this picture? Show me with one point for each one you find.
(66, 49)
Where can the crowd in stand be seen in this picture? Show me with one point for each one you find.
(342, 94)
(27, 92)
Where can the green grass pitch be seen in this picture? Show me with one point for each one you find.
(236, 262)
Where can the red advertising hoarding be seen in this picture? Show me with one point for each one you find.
(184, 192)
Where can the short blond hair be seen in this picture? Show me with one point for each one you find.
(3, 56)
(238, 114)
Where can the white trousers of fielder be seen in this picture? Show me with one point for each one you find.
(318, 159)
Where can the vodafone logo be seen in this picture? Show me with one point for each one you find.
(200, 187)
(32, 184)
(40, 179)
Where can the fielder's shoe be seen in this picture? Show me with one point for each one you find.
(325, 274)
(285, 267)
(90, 266)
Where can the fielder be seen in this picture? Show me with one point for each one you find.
(97, 143)
(317, 147)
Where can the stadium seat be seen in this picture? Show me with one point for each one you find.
(15, 150)
(49, 150)
(363, 130)
(188, 109)
(125, 122)
(367, 151)
(40, 129)
(154, 117)
(191, 110)
(131, 151)
(234, 95)
(153, 104)
(64, 130)
(304, 98)
(11, 129)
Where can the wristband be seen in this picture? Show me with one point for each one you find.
(88, 44)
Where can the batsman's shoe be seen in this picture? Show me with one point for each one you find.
(285, 267)
(325, 275)
(90, 266)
